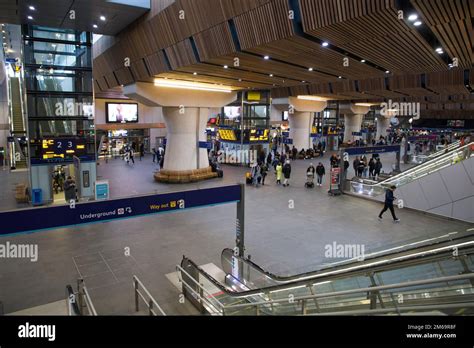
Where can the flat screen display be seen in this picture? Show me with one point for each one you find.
(63, 148)
(122, 113)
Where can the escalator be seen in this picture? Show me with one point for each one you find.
(18, 129)
(419, 159)
(373, 188)
(443, 186)
(432, 276)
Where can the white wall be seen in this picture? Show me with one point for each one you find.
(448, 192)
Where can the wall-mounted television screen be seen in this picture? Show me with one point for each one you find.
(122, 112)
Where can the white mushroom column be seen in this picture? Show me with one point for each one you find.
(353, 117)
(186, 112)
(383, 123)
(300, 117)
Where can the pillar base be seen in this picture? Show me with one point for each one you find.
(184, 176)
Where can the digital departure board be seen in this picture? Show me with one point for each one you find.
(65, 148)
(260, 135)
(227, 134)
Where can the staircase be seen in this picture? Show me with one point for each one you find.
(18, 123)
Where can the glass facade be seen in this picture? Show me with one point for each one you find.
(58, 80)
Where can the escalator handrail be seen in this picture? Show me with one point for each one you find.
(280, 287)
(450, 147)
(387, 181)
(378, 288)
(349, 263)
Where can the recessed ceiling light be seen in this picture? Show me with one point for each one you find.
(271, 75)
(240, 80)
(29, 17)
(32, 8)
(95, 26)
(413, 17)
(325, 44)
(195, 73)
(310, 69)
(440, 52)
(226, 66)
(362, 61)
(102, 18)
(339, 77)
(417, 23)
(439, 49)
(303, 81)
(266, 57)
(387, 71)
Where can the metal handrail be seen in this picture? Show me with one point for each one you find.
(395, 310)
(71, 302)
(440, 152)
(180, 269)
(88, 302)
(304, 279)
(355, 291)
(151, 302)
(423, 166)
(84, 299)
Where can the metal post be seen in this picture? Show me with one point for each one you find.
(150, 307)
(240, 222)
(303, 307)
(135, 284)
(201, 298)
(80, 297)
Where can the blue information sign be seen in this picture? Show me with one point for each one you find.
(35, 219)
(205, 145)
(371, 149)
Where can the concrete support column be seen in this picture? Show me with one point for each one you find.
(383, 123)
(301, 110)
(300, 129)
(186, 127)
(186, 109)
(352, 123)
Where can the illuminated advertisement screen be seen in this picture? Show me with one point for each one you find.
(232, 111)
(62, 148)
(122, 113)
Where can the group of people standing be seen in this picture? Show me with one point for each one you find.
(362, 167)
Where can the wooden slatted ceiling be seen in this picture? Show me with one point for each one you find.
(113, 93)
(156, 63)
(281, 71)
(214, 42)
(447, 82)
(370, 29)
(186, 76)
(376, 86)
(451, 22)
(233, 74)
(265, 24)
(150, 34)
(310, 54)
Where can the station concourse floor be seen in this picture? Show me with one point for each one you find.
(280, 239)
